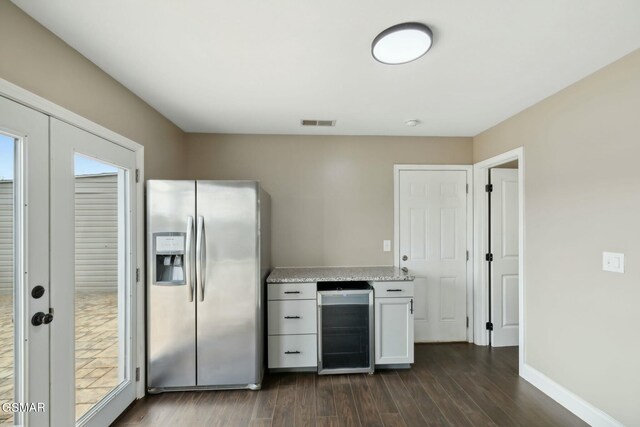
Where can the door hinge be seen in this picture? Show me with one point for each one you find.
(489, 326)
(467, 255)
(467, 188)
(488, 188)
(488, 257)
(137, 275)
(411, 309)
(467, 322)
(137, 374)
(137, 175)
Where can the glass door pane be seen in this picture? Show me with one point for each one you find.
(99, 286)
(7, 279)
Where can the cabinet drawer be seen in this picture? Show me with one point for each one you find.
(293, 351)
(291, 317)
(277, 291)
(393, 289)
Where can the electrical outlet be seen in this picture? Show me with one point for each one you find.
(386, 245)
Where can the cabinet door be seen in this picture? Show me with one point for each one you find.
(394, 330)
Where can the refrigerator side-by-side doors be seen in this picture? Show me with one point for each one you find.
(171, 290)
(228, 289)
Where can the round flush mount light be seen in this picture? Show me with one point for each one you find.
(402, 43)
(412, 123)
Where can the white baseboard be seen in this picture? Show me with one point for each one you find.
(580, 407)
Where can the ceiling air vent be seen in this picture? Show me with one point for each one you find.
(329, 123)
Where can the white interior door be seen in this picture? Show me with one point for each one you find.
(24, 264)
(433, 245)
(93, 255)
(504, 247)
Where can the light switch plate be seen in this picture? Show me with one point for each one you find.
(386, 245)
(612, 261)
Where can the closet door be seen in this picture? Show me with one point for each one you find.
(93, 255)
(24, 265)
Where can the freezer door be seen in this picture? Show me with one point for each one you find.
(228, 286)
(171, 307)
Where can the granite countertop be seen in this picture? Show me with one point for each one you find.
(337, 274)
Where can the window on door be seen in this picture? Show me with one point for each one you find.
(99, 281)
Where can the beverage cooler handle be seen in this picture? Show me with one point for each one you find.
(188, 257)
(199, 260)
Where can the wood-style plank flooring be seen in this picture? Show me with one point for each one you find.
(449, 385)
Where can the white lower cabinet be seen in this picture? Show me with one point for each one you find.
(292, 317)
(291, 324)
(393, 330)
(293, 351)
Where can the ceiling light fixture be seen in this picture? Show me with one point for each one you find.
(402, 43)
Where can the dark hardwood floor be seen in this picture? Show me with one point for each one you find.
(449, 385)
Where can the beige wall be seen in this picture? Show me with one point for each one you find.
(332, 197)
(37, 60)
(582, 197)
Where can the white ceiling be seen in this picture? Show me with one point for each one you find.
(259, 66)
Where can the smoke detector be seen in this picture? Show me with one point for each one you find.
(412, 123)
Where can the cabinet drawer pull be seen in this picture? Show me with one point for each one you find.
(291, 292)
(291, 317)
(394, 290)
(292, 352)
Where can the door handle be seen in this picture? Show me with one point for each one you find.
(37, 319)
(411, 309)
(48, 318)
(292, 352)
(199, 259)
(291, 317)
(188, 257)
(291, 292)
(394, 290)
(41, 318)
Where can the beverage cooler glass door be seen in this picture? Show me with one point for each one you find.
(345, 331)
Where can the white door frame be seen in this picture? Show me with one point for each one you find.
(396, 224)
(29, 99)
(481, 293)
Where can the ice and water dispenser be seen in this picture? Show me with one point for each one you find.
(169, 252)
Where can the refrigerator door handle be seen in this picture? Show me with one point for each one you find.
(199, 259)
(188, 258)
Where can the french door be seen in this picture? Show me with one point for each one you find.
(24, 265)
(67, 270)
(92, 195)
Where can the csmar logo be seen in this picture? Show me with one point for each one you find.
(23, 407)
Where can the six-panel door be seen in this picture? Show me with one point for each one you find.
(504, 267)
(433, 245)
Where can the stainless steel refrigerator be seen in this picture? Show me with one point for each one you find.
(208, 255)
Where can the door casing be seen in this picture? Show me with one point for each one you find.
(481, 283)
